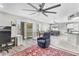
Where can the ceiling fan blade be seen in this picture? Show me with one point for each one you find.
(32, 6)
(45, 14)
(53, 7)
(49, 12)
(32, 13)
(28, 10)
(42, 5)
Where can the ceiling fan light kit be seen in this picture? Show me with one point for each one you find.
(41, 9)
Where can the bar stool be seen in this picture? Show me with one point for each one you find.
(9, 45)
(4, 47)
(13, 39)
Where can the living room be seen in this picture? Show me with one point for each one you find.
(27, 26)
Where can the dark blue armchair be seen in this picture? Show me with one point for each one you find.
(44, 41)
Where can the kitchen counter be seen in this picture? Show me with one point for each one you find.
(73, 38)
(74, 32)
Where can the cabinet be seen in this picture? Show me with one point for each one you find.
(73, 33)
(72, 39)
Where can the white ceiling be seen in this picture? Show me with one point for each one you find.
(63, 11)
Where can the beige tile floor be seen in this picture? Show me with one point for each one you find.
(56, 42)
(26, 43)
(62, 44)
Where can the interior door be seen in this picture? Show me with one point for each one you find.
(29, 30)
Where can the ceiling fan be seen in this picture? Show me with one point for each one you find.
(41, 9)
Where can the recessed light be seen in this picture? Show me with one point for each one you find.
(1, 6)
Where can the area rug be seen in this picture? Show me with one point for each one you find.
(37, 51)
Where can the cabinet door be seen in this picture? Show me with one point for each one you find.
(77, 41)
(72, 39)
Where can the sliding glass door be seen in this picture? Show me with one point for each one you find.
(29, 30)
(26, 30)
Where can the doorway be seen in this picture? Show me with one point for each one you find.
(26, 30)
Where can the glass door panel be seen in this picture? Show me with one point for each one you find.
(29, 30)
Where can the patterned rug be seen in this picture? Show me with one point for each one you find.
(37, 51)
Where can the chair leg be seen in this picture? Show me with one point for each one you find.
(7, 50)
(0, 49)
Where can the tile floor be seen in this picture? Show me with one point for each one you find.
(26, 43)
(60, 41)
(56, 42)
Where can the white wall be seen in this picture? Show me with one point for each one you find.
(43, 26)
(4, 19)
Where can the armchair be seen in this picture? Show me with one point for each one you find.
(44, 41)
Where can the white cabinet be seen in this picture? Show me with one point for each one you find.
(19, 40)
(73, 39)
